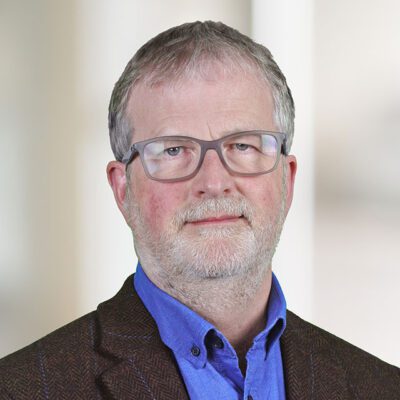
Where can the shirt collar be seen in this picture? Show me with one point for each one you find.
(182, 330)
(276, 317)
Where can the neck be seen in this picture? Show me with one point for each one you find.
(236, 306)
(245, 318)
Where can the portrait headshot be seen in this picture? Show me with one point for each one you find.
(193, 203)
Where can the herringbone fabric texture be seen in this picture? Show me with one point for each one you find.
(116, 353)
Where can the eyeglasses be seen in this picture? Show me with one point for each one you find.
(177, 158)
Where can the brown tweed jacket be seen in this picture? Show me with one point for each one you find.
(116, 353)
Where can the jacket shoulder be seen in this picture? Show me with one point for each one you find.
(61, 359)
(71, 362)
(365, 373)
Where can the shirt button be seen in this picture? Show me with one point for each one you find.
(195, 351)
(218, 343)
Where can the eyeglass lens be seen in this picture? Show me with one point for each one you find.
(176, 158)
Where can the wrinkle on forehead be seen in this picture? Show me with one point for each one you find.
(208, 70)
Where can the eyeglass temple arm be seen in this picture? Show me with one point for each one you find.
(284, 145)
(128, 157)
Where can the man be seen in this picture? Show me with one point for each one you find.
(201, 125)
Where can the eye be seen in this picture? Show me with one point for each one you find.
(173, 151)
(242, 146)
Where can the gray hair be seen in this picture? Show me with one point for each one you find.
(187, 49)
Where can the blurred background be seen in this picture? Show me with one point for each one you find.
(64, 247)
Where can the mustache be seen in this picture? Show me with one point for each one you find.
(214, 207)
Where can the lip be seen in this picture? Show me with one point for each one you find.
(223, 219)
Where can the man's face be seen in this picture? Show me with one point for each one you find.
(215, 224)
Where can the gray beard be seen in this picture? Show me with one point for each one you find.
(228, 263)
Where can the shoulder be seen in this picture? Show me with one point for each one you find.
(364, 372)
(70, 362)
(319, 339)
(64, 355)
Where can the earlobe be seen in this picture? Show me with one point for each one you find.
(117, 180)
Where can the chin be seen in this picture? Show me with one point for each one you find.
(218, 258)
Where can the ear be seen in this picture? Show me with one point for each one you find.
(291, 169)
(117, 179)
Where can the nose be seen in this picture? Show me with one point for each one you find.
(213, 179)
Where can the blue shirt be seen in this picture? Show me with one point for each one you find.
(207, 362)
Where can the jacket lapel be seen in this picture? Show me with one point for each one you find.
(312, 371)
(144, 377)
(144, 367)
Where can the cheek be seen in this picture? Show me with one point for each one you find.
(159, 203)
(266, 196)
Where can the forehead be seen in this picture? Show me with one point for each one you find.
(206, 105)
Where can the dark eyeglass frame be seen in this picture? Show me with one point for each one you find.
(205, 145)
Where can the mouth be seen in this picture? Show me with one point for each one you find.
(217, 220)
